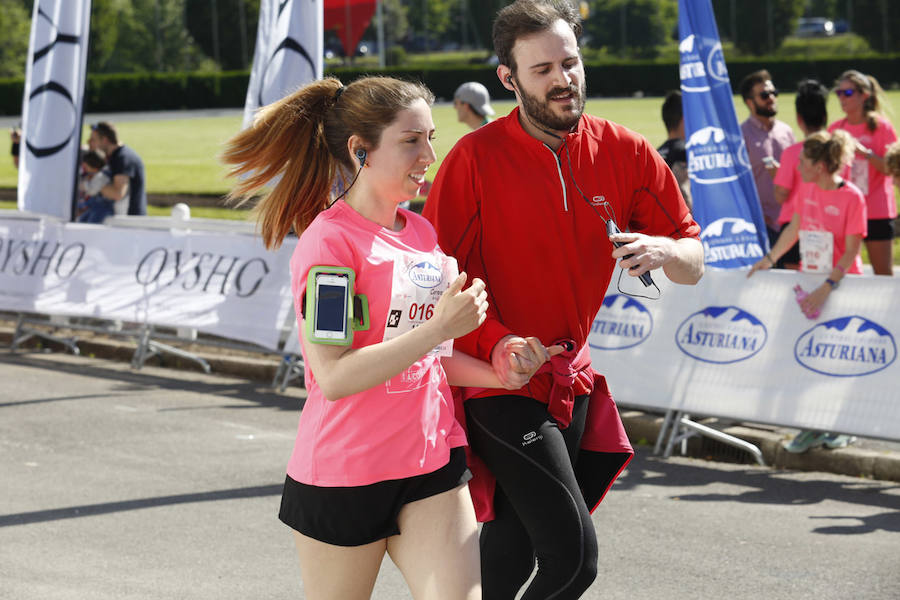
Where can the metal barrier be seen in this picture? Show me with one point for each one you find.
(151, 339)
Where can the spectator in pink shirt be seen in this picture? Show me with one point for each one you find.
(766, 138)
(833, 209)
(812, 116)
(862, 100)
(830, 221)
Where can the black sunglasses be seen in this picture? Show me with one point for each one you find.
(845, 93)
(766, 93)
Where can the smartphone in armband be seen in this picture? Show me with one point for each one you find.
(331, 305)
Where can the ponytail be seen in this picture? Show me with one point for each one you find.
(286, 140)
(833, 150)
(874, 105)
(303, 139)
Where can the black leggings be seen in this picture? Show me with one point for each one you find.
(539, 510)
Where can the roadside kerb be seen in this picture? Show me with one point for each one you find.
(642, 427)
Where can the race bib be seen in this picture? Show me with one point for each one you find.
(418, 282)
(859, 174)
(817, 251)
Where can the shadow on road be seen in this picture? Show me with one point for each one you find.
(768, 486)
(90, 510)
(129, 381)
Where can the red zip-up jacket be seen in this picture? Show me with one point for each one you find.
(530, 222)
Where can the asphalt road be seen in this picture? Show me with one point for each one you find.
(165, 484)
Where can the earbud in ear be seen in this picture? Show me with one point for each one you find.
(509, 79)
(361, 157)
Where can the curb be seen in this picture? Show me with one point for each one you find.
(852, 460)
(642, 427)
(245, 365)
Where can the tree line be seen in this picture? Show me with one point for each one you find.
(207, 35)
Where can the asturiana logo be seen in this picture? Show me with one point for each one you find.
(621, 322)
(729, 239)
(701, 62)
(846, 347)
(714, 157)
(425, 275)
(721, 334)
(715, 64)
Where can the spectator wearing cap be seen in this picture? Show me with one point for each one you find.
(125, 167)
(473, 104)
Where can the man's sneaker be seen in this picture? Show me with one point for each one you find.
(805, 440)
(836, 440)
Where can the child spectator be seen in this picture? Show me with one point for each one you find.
(92, 206)
(830, 220)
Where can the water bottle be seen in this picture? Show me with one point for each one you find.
(801, 295)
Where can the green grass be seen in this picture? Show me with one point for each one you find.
(181, 155)
(204, 212)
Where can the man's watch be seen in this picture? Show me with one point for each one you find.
(832, 283)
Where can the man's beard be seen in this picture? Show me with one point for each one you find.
(540, 113)
(765, 111)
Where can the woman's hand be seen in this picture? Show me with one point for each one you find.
(515, 359)
(815, 300)
(458, 312)
(763, 264)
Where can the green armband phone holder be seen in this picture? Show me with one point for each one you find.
(332, 312)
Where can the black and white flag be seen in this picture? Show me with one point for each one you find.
(289, 48)
(52, 106)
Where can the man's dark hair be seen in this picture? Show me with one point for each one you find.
(810, 102)
(752, 79)
(107, 130)
(525, 17)
(672, 113)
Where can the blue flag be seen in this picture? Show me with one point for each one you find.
(726, 204)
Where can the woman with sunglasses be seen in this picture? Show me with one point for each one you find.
(862, 100)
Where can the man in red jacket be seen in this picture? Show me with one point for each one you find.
(523, 203)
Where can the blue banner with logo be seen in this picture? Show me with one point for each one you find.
(726, 204)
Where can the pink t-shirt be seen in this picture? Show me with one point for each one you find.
(841, 211)
(398, 429)
(877, 187)
(789, 178)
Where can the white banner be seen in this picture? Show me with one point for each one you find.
(741, 349)
(52, 106)
(225, 284)
(289, 51)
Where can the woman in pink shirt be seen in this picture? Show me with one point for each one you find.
(861, 100)
(829, 217)
(830, 221)
(378, 465)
